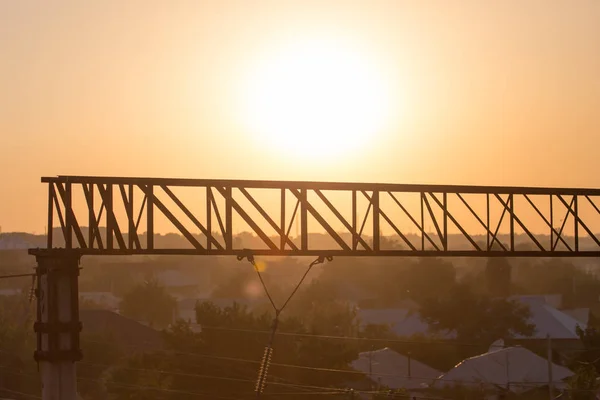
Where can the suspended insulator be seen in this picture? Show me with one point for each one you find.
(263, 370)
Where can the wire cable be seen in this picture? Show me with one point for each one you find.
(351, 372)
(15, 276)
(165, 390)
(325, 390)
(268, 353)
(358, 338)
(33, 396)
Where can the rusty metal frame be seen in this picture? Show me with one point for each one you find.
(212, 233)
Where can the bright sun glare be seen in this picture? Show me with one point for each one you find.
(314, 98)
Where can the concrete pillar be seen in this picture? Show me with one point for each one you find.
(57, 326)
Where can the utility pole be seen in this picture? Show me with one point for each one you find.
(57, 325)
(507, 371)
(550, 378)
(371, 368)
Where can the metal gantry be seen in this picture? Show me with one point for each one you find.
(111, 216)
(117, 215)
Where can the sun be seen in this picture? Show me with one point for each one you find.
(314, 98)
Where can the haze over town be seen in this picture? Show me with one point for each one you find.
(221, 290)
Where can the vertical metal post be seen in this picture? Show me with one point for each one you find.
(487, 201)
(68, 217)
(303, 220)
(512, 222)
(208, 217)
(422, 223)
(354, 211)
(445, 202)
(57, 326)
(551, 225)
(91, 216)
(376, 233)
(228, 219)
(282, 225)
(110, 216)
(131, 218)
(576, 220)
(150, 218)
(550, 377)
(507, 371)
(371, 368)
(51, 195)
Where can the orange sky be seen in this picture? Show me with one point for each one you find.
(493, 92)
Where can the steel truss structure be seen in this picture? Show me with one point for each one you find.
(118, 215)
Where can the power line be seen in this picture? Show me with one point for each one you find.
(233, 359)
(325, 390)
(268, 353)
(15, 276)
(223, 378)
(354, 372)
(357, 338)
(175, 391)
(33, 396)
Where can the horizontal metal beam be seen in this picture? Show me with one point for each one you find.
(316, 253)
(387, 206)
(267, 184)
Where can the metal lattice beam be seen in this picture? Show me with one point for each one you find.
(116, 215)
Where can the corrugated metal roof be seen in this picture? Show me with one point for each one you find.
(515, 368)
(391, 369)
(549, 321)
(402, 322)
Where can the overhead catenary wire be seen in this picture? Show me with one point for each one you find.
(234, 359)
(216, 377)
(323, 390)
(12, 391)
(317, 369)
(268, 353)
(355, 338)
(16, 276)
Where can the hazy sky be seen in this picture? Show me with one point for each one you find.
(483, 92)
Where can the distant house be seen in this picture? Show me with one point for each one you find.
(387, 368)
(548, 320)
(133, 336)
(403, 322)
(513, 369)
(559, 326)
(580, 314)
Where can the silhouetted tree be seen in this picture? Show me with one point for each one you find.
(149, 302)
(476, 318)
(498, 276)
(584, 384)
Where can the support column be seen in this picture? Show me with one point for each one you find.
(57, 325)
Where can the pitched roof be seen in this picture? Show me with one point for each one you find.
(125, 331)
(514, 367)
(402, 322)
(580, 314)
(549, 321)
(391, 369)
